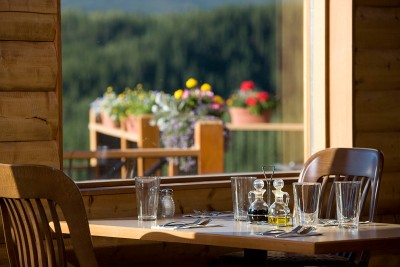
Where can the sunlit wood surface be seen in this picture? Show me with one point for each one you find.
(244, 235)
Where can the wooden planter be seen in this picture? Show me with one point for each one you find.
(243, 115)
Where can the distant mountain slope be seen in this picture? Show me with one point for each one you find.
(152, 6)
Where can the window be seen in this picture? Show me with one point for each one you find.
(219, 42)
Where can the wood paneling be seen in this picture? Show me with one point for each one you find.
(377, 27)
(29, 104)
(27, 26)
(377, 69)
(28, 66)
(15, 128)
(389, 196)
(387, 3)
(39, 6)
(388, 142)
(377, 111)
(43, 153)
(376, 91)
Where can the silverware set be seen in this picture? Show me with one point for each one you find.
(177, 225)
(295, 232)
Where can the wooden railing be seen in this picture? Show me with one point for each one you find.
(208, 149)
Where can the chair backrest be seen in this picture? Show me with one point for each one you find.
(345, 164)
(31, 197)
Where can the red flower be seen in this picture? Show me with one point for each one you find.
(246, 86)
(251, 101)
(263, 96)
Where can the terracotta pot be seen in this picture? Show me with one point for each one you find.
(131, 124)
(243, 115)
(107, 121)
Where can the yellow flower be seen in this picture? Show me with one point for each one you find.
(178, 93)
(205, 87)
(109, 90)
(218, 99)
(229, 102)
(191, 83)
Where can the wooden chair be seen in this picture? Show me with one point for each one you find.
(32, 197)
(327, 166)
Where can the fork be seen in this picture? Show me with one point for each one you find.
(203, 221)
(298, 230)
(180, 224)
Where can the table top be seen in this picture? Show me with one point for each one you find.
(373, 236)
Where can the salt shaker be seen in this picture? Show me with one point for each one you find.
(167, 205)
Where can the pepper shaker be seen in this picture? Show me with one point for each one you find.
(166, 204)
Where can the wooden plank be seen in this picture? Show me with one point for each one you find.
(377, 3)
(296, 127)
(377, 27)
(27, 26)
(377, 69)
(377, 110)
(389, 194)
(26, 129)
(28, 66)
(209, 140)
(42, 152)
(380, 63)
(388, 142)
(42, 105)
(39, 6)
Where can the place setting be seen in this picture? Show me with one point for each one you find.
(249, 205)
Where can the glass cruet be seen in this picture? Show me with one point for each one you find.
(258, 210)
(279, 212)
(166, 205)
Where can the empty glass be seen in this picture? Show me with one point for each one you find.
(147, 194)
(348, 194)
(306, 204)
(241, 186)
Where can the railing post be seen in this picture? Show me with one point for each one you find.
(148, 137)
(209, 139)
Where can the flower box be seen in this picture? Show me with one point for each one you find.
(244, 115)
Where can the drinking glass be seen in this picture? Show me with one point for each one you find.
(241, 186)
(348, 194)
(306, 204)
(147, 194)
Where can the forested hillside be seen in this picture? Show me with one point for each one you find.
(153, 6)
(222, 47)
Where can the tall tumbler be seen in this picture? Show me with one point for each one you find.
(147, 194)
(306, 203)
(348, 194)
(241, 186)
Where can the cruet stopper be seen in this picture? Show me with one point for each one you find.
(258, 210)
(279, 212)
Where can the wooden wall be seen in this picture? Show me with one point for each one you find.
(30, 82)
(376, 96)
(376, 61)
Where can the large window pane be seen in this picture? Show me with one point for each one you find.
(160, 44)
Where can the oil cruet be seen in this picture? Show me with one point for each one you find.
(258, 210)
(279, 212)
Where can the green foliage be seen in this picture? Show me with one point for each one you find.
(223, 47)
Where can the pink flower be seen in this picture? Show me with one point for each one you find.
(263, 96)
(246, 86)
(251, 101)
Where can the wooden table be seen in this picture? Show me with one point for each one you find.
(375, 236)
